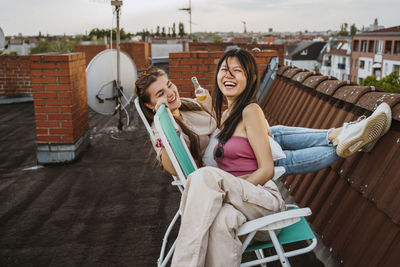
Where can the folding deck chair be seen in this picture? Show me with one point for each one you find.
(175, 182)
(292, 224)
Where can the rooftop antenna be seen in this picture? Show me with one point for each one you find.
(109, 92)
(118, 5)
(244, 26)
(189, 10)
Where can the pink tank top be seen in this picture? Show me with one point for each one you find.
(239, 158)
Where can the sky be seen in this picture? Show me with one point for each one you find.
(30, 17)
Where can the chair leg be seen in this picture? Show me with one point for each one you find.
(279, 250)
(260, 255)
(165, 239)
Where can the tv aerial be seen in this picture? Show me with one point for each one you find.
(189, 10)
(110, 77)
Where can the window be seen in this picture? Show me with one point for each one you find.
(362, 64)
(371, 46)
(397, 47)
(388, 47)
(356, 45)
(379, 47)
(396, 67)
(363, 46)
(369, 66)
(360, 80)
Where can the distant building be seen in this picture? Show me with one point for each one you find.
(373, 27)
(376, 52)
(336, 58)
(267, 40)
(304, 54)
(162, 46)
(21, 45)
(242, 40)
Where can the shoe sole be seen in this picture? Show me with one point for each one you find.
(371, 132)
(370, 146)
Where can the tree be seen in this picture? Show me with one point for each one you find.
(58, 46)
(173, 30)
(353, 29)
(389, 83)
(217, 39)
(181, 29)
(163, 34)
(343, 30)
(101, 33)
(158, 31)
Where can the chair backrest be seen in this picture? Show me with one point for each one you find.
(145, 122)
(267, 79)
(174, 144)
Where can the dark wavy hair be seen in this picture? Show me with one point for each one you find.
(249, 65)
(142, 83)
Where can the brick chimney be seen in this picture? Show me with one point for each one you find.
(60, 104)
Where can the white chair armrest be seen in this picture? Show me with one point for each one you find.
(274, 221)
(278, 172)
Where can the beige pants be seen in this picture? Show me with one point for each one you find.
(214, 206)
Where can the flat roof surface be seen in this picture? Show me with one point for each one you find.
(110, 207)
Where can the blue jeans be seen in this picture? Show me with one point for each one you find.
(307, 150)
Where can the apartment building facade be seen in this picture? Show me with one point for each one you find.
(376, 52)
(336, 58)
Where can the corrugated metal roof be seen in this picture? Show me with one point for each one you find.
(355, 201)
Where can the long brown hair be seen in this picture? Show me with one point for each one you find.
(248, 96)
(143, 82)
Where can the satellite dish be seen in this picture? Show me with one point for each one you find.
(2, 39)
(101, 77)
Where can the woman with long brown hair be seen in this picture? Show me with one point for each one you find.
(193, 117)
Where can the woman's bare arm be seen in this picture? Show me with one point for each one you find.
(257, 134)
(166, 162)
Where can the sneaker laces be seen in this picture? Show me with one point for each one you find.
(346, 124)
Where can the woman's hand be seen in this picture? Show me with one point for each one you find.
(270, 132)
(160, 101)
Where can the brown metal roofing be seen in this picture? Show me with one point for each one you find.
(355, 201)
(337, 52)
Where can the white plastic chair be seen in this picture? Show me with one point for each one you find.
(292, 224)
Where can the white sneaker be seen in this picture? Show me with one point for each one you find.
(355, 135)
(388, 111)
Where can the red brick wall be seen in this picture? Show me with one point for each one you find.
(140, 52)
(203, 64)
(90, 51)
(15, 76)
(222, 46)
(60, 97)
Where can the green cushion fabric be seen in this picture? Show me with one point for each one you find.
(293, 233)
(175, 141)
